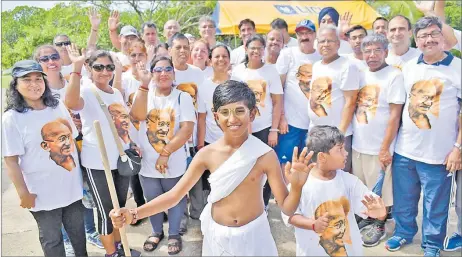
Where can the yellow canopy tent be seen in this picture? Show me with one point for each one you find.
(228, 14)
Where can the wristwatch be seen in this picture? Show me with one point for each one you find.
(458, 146)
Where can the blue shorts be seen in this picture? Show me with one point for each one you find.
(287, 142)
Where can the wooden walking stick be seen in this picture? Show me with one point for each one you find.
(110, 183)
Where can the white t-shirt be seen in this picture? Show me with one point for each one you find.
(130, 85)
(91, 156)
(360, 64)
(457, 34)
(237, 56)
(60, 93)
(188, 81)
(381, 88)
(66, 71)
(400, 61)
(164, 117)
(208, 72)
(34, 136)
(345, 47)
(327, 87)
(264, 82)
(430, 138)
(298, 68)
(205, 101)
(292, 42)
(341, 198)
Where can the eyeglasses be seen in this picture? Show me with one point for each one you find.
(375, 51)
(161, 69)
(328, 41)
(434, 34)
(239, 111)
(52, 57)
(61, 139)
(100, 67)
(65, 43)
(137, 55)
(256, 48)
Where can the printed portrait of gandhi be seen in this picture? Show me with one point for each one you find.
(259, 89)
(337, 234)
(320, 98)
(191, 89)
(304, 76)
(160, 125)
(57, 139)
(424, 99)
(121, 121)
(368, 100)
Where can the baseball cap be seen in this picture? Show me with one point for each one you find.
(25, 67)
(307, 24)
(128, 31)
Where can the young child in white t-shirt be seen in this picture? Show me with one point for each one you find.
(325, 222)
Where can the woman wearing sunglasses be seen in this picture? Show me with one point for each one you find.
(51, 63)
(41, 159)
(167, 120)
(84, 100)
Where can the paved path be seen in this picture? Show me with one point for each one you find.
(20, 235)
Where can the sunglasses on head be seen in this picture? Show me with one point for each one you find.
(65, 43)
(101, 67)
(46, 58)
(160, 69)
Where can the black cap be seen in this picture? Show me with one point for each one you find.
(25, 67)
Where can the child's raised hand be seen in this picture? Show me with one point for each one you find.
(297, 171)
(375, 207)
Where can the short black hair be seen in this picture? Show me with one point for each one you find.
(379, 19)
(246, 21)
(99, 54)
(148, 24)
(279, 23)
(177, 36)
(232, 91)
(409, 24)
(355, 27)
(323, 138)
(218, 46)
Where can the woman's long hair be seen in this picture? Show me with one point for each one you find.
(255, 37)
(15, 101)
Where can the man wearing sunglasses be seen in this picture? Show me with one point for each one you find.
(61, 41)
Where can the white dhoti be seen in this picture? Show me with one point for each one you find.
(252, 239)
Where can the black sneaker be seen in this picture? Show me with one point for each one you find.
(374, 234)
(365, 223)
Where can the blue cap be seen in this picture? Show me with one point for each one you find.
(22, 68)
(305, 24)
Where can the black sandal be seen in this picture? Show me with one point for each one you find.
(178, 243)
(152, 245)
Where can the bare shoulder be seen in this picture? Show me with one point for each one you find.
(268, 159)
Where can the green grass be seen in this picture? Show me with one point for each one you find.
(6, 81)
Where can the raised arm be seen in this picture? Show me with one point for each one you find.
(117, 83)
(139, 109)
(168, 199)
(73, 100)
(113, 23)
(95, 21)
(297, 172)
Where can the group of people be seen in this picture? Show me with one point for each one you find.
(344, 127)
